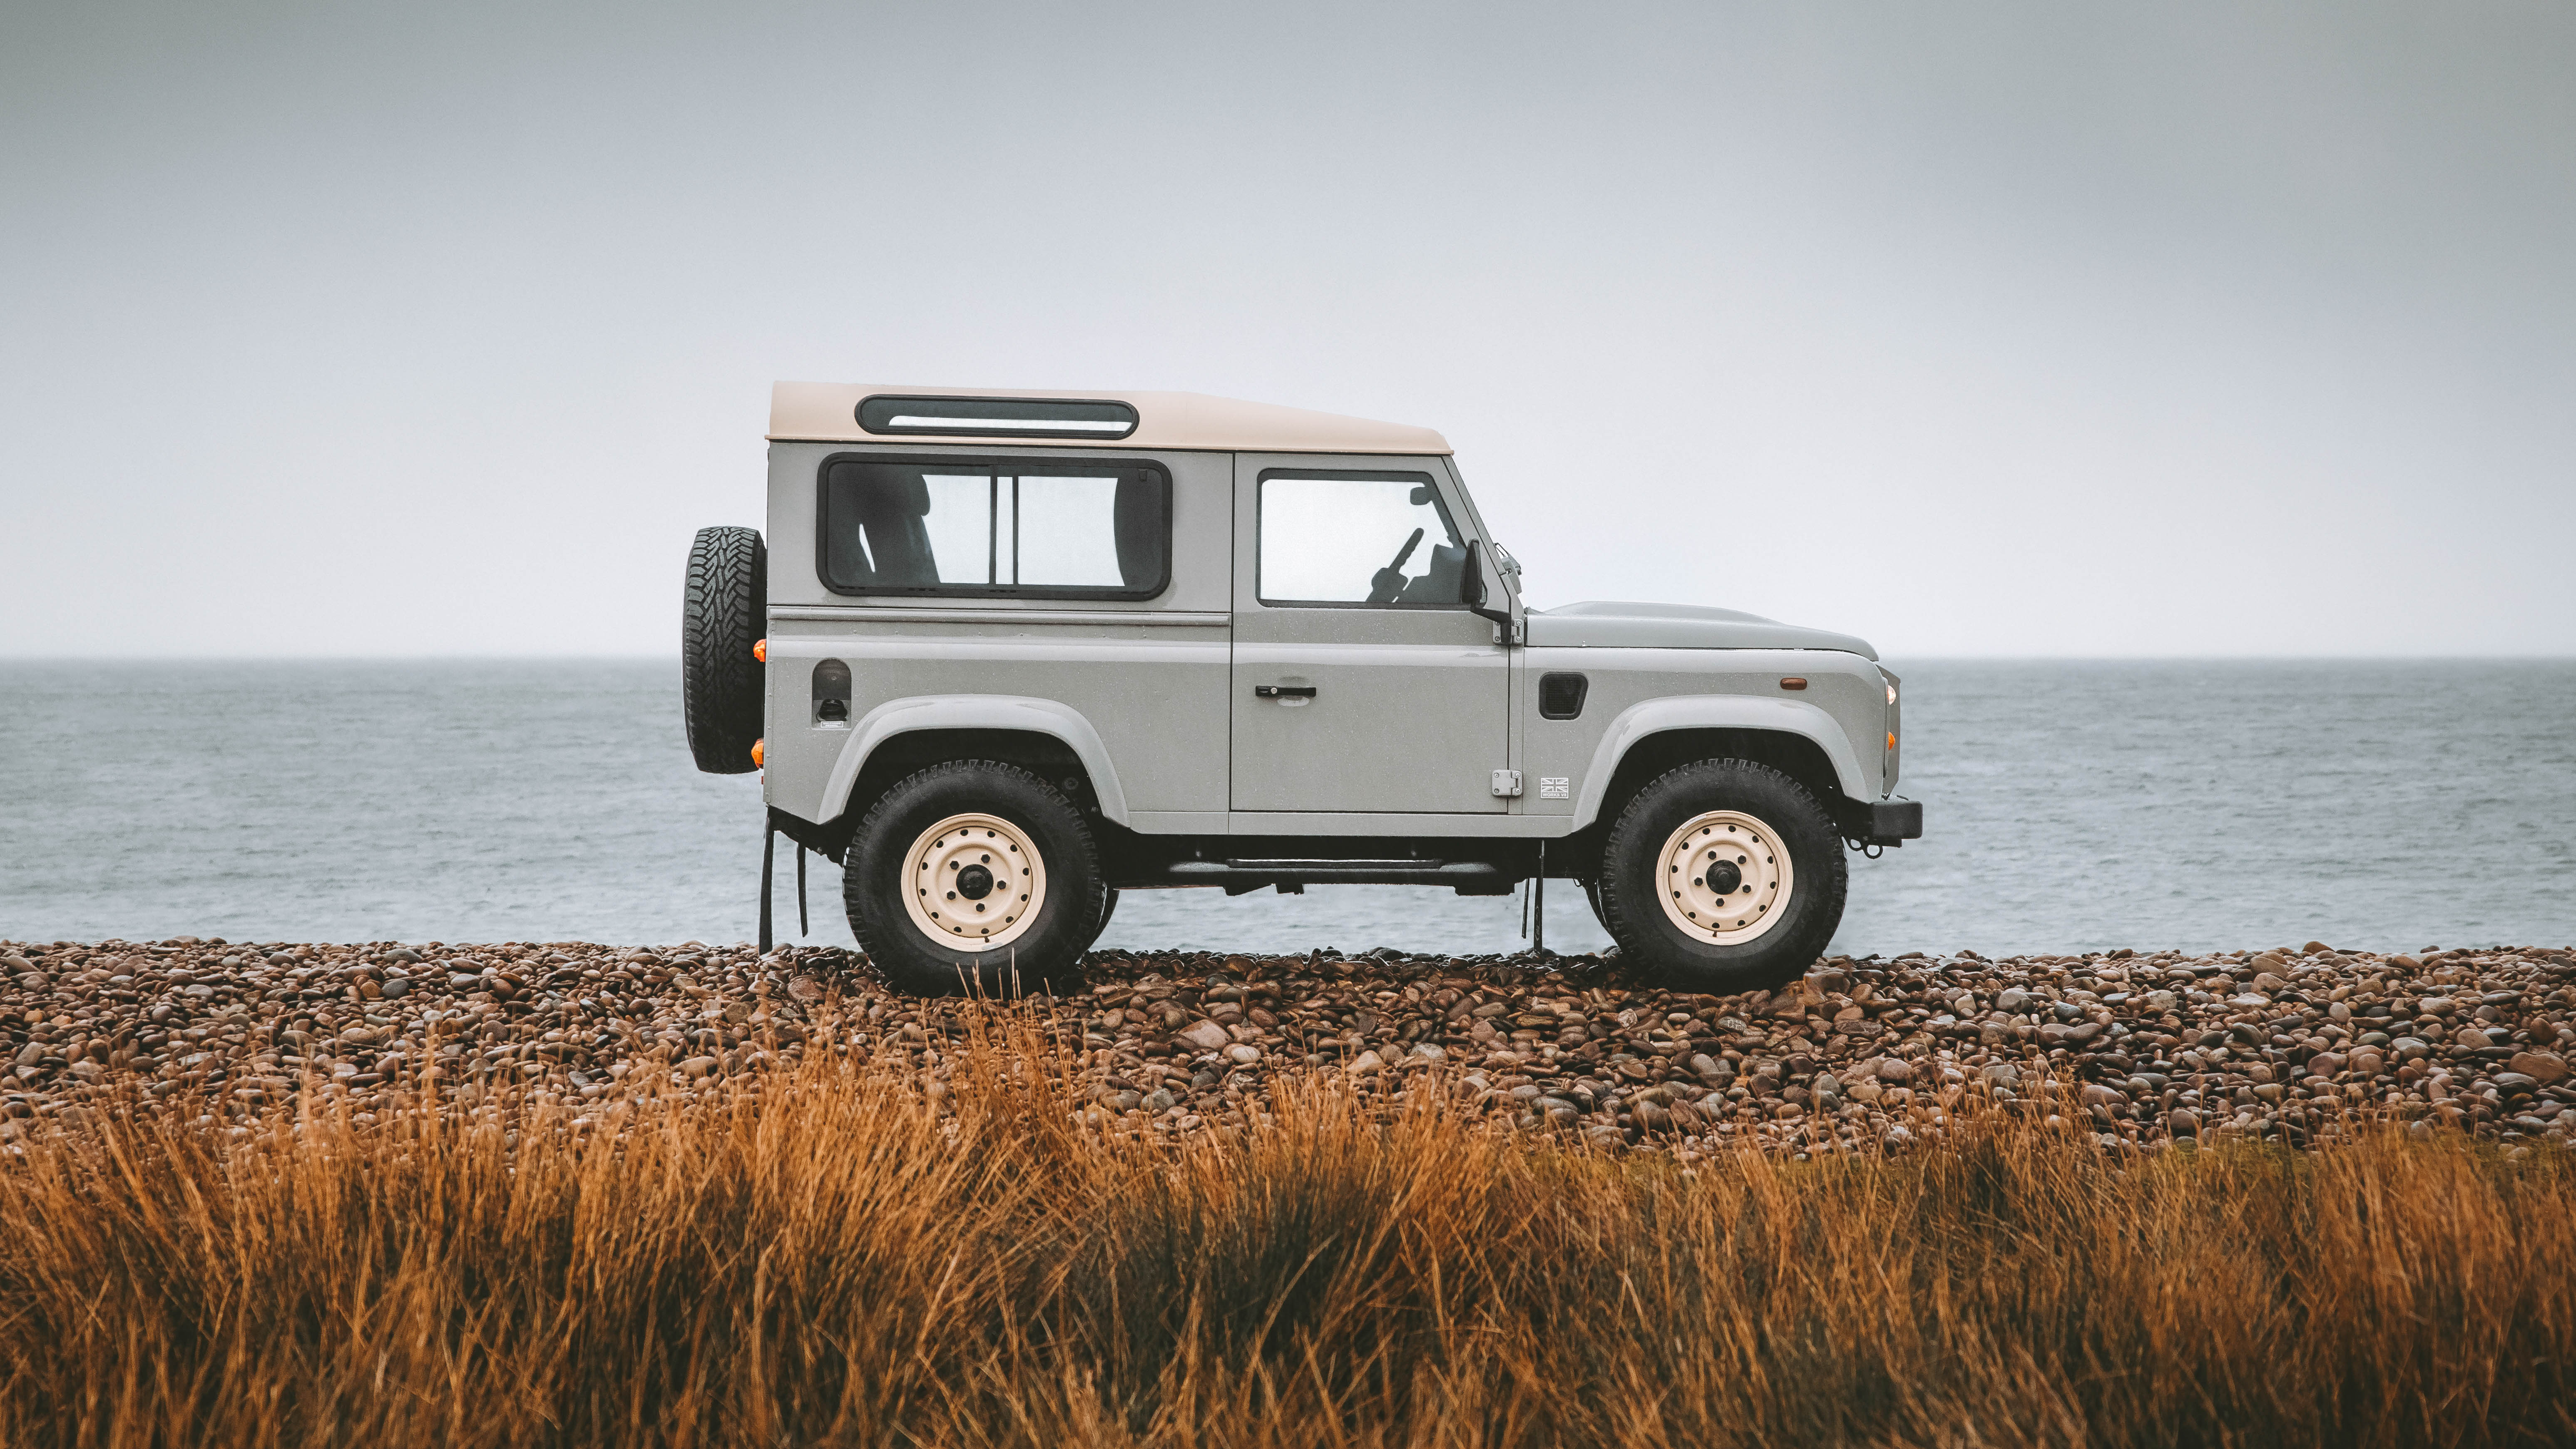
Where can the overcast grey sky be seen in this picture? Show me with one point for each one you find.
(1973, 329)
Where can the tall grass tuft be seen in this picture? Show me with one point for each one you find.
(827, 1256)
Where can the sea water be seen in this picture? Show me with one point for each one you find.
(2067, 806)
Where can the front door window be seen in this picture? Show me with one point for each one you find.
(1338, 539)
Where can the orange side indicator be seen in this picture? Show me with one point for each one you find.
(1793, 682)
(757, 750)
(1891, 739)
(760, 651)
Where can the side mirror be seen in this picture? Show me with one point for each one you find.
(1471, 587)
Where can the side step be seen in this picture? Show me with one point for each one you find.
(1467, 877)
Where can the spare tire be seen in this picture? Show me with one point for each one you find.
(723, 614)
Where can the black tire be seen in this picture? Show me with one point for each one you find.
(877, 875)
(1632, 869)
(1108, 908)
(723, 613)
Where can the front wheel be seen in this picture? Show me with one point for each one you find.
(973, 876)
(1723, 875)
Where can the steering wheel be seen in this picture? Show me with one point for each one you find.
(1388, 582)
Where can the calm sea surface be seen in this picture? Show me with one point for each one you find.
(2378, 804)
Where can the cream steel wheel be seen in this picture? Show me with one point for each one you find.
(959, 834)
(1726, 877)
(1693, 839)
(974, 882)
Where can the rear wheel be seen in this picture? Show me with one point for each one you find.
(1724, 876)
(974, 876)
(1108, 908)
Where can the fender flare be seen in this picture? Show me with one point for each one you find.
(1714, 711)
(975, 712)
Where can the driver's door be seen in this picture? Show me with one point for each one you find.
(1360, 682)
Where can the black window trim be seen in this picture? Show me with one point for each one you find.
(1018, 465)
(1135, 419)
(1439, 501)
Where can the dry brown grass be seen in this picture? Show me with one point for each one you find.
(835, 1261)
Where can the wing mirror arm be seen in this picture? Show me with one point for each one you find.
(1472, 591)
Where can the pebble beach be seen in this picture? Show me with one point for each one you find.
(2294, 1045)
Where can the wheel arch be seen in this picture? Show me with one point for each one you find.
(892, 740)
(1791, 736)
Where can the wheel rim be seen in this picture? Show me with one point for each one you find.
(974, 882)
(1726, 877)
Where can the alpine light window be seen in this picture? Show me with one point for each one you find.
(1031, 529)
(997, 417)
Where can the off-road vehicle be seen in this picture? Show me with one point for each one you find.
(1008, 654)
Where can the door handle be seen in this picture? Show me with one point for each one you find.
(1283, 691)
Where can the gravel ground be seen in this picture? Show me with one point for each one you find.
(2289, 1044)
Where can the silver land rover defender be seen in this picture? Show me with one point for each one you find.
(1008, 654)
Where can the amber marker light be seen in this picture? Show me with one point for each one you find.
(1793, 682)
(756, 750)
(1891, 739)
(760, 650)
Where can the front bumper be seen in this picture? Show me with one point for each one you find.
(1891, 821)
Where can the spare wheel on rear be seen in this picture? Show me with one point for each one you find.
(722, 617)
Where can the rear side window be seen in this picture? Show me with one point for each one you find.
(1014, 528)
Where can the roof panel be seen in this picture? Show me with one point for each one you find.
(828, 412)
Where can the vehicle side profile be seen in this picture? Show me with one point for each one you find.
(1005, 655)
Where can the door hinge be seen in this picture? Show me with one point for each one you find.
(1507, 783)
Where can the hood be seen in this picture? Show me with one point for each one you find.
(1677, 626)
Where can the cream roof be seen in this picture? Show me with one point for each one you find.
(828, 412)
